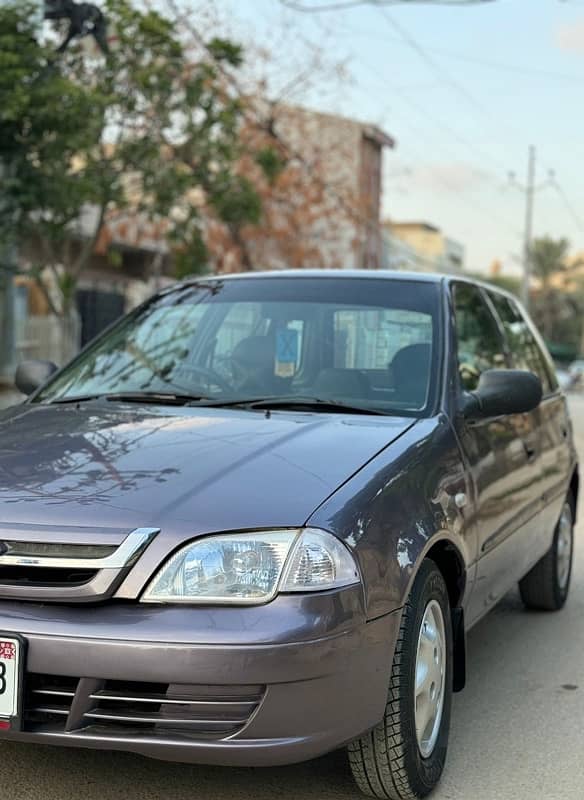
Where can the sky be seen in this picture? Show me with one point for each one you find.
(464, 90)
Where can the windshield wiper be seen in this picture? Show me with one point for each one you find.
(80, 398)
(296, 401)
(162, 398)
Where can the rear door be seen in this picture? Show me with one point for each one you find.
(502, 456)
(552, 424)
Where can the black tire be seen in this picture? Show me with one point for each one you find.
(541, 588)
(387, 762)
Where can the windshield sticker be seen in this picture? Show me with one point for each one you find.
(286, 353)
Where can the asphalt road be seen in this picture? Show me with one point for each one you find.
(517, 729)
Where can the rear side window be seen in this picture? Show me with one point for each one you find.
(480, 344)
(524, 348)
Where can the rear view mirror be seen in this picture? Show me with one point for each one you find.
(503, 391)
(30, 375)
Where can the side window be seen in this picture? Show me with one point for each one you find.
(480, 344)
(523, 346)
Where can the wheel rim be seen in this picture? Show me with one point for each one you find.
(430, 674)
(564, 547)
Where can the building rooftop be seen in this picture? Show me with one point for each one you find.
(427, 226)
(370, 131)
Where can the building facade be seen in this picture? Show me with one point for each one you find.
(422, 247)
(344, 158)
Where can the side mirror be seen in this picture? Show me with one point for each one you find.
(30, 375)
(503, 391)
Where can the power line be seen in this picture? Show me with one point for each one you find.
(578, 221)
(422, 111)
(330, 7)
(342, 6)
(501, 66)
(421, 51)
(464, 57)
(476, 206)
(407, 37)
(436, 68)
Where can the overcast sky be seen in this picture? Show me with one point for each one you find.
(464, 91)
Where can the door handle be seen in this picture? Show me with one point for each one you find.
(530, 450)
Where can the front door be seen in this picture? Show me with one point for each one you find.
(551, 418)
(502, 456)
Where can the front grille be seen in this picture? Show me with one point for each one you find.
(49, 578)
(125, 709)
(35, 570)
(48, 700)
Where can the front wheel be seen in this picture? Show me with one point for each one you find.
(546, 586)
(403, 757)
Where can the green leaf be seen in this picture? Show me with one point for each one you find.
(271, 163)
(224, 50)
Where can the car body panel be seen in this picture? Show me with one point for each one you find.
(132, 465)
(391, 488)
(314, 696)
(507, 501)
(400, 504)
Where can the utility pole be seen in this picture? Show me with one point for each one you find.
(530, 189)
(529, 198)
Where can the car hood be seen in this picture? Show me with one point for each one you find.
(186, 470)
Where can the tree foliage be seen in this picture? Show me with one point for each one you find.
(153, 130)
(45, 120)
(548, 258)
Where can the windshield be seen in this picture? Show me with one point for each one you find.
(365, 342)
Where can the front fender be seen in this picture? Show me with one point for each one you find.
(397, 507)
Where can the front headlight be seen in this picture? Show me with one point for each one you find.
(251, 568)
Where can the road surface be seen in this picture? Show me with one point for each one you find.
(517, 729)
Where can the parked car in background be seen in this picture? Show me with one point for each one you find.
(252, 522)
(576, 370)
(566, 379)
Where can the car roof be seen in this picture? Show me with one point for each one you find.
(425, 277)
(332, 274)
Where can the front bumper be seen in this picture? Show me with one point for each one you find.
(249, 687)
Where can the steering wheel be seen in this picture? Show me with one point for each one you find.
(213, 378)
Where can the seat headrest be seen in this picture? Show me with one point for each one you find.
(255, 352)
(412, 363)
(342, 382)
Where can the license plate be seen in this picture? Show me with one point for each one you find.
(10, 676)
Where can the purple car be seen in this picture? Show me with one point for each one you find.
(251, 522)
